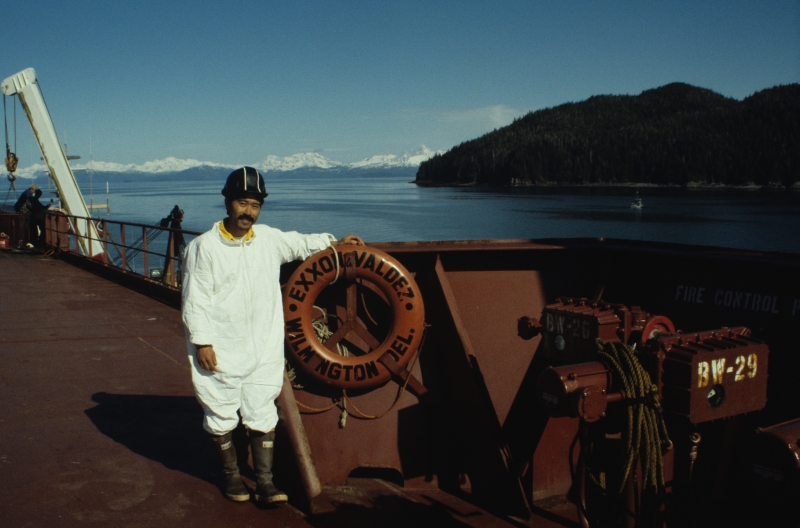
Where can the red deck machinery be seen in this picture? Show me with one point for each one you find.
(645, 396)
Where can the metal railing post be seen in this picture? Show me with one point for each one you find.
(106, 255)
(146, 271)
(124, 249)
(63, 241)
(170, 255)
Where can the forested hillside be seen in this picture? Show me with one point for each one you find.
(673, 135)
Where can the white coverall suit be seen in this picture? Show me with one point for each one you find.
(232, 301)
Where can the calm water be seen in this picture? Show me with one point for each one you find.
(384, 209)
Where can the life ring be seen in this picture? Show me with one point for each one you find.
(398, 289)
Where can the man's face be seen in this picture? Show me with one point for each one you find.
(244, 212)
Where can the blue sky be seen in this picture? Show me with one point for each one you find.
(233, 82)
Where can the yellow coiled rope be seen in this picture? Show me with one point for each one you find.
(645, 435)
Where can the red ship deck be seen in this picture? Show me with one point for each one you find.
(100, 425)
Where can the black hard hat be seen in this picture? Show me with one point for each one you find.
(243, 182)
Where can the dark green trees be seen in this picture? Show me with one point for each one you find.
(673, 135)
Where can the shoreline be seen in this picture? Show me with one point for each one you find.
(691, 186)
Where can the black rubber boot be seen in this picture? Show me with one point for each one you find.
(233, 487)
(261, 446)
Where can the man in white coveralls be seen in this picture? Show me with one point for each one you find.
(233, 319)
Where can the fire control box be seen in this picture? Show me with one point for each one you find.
(710, 375)
(570, 327)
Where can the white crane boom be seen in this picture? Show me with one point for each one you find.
(23, 84)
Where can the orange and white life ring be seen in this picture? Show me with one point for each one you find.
(320, 361)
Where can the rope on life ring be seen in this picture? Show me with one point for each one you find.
(320, 361)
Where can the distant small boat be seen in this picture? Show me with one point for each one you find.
(637, 202)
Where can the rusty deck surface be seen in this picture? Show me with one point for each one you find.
(99, 424)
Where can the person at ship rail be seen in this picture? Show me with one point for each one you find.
(23, 198)
(233, 320)
(38, 211)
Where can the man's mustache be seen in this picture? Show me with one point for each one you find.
(246, 216)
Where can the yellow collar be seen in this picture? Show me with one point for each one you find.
(225, 234)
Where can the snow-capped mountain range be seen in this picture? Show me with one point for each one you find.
(308, 160)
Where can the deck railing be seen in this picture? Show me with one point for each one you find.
(149, 254)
